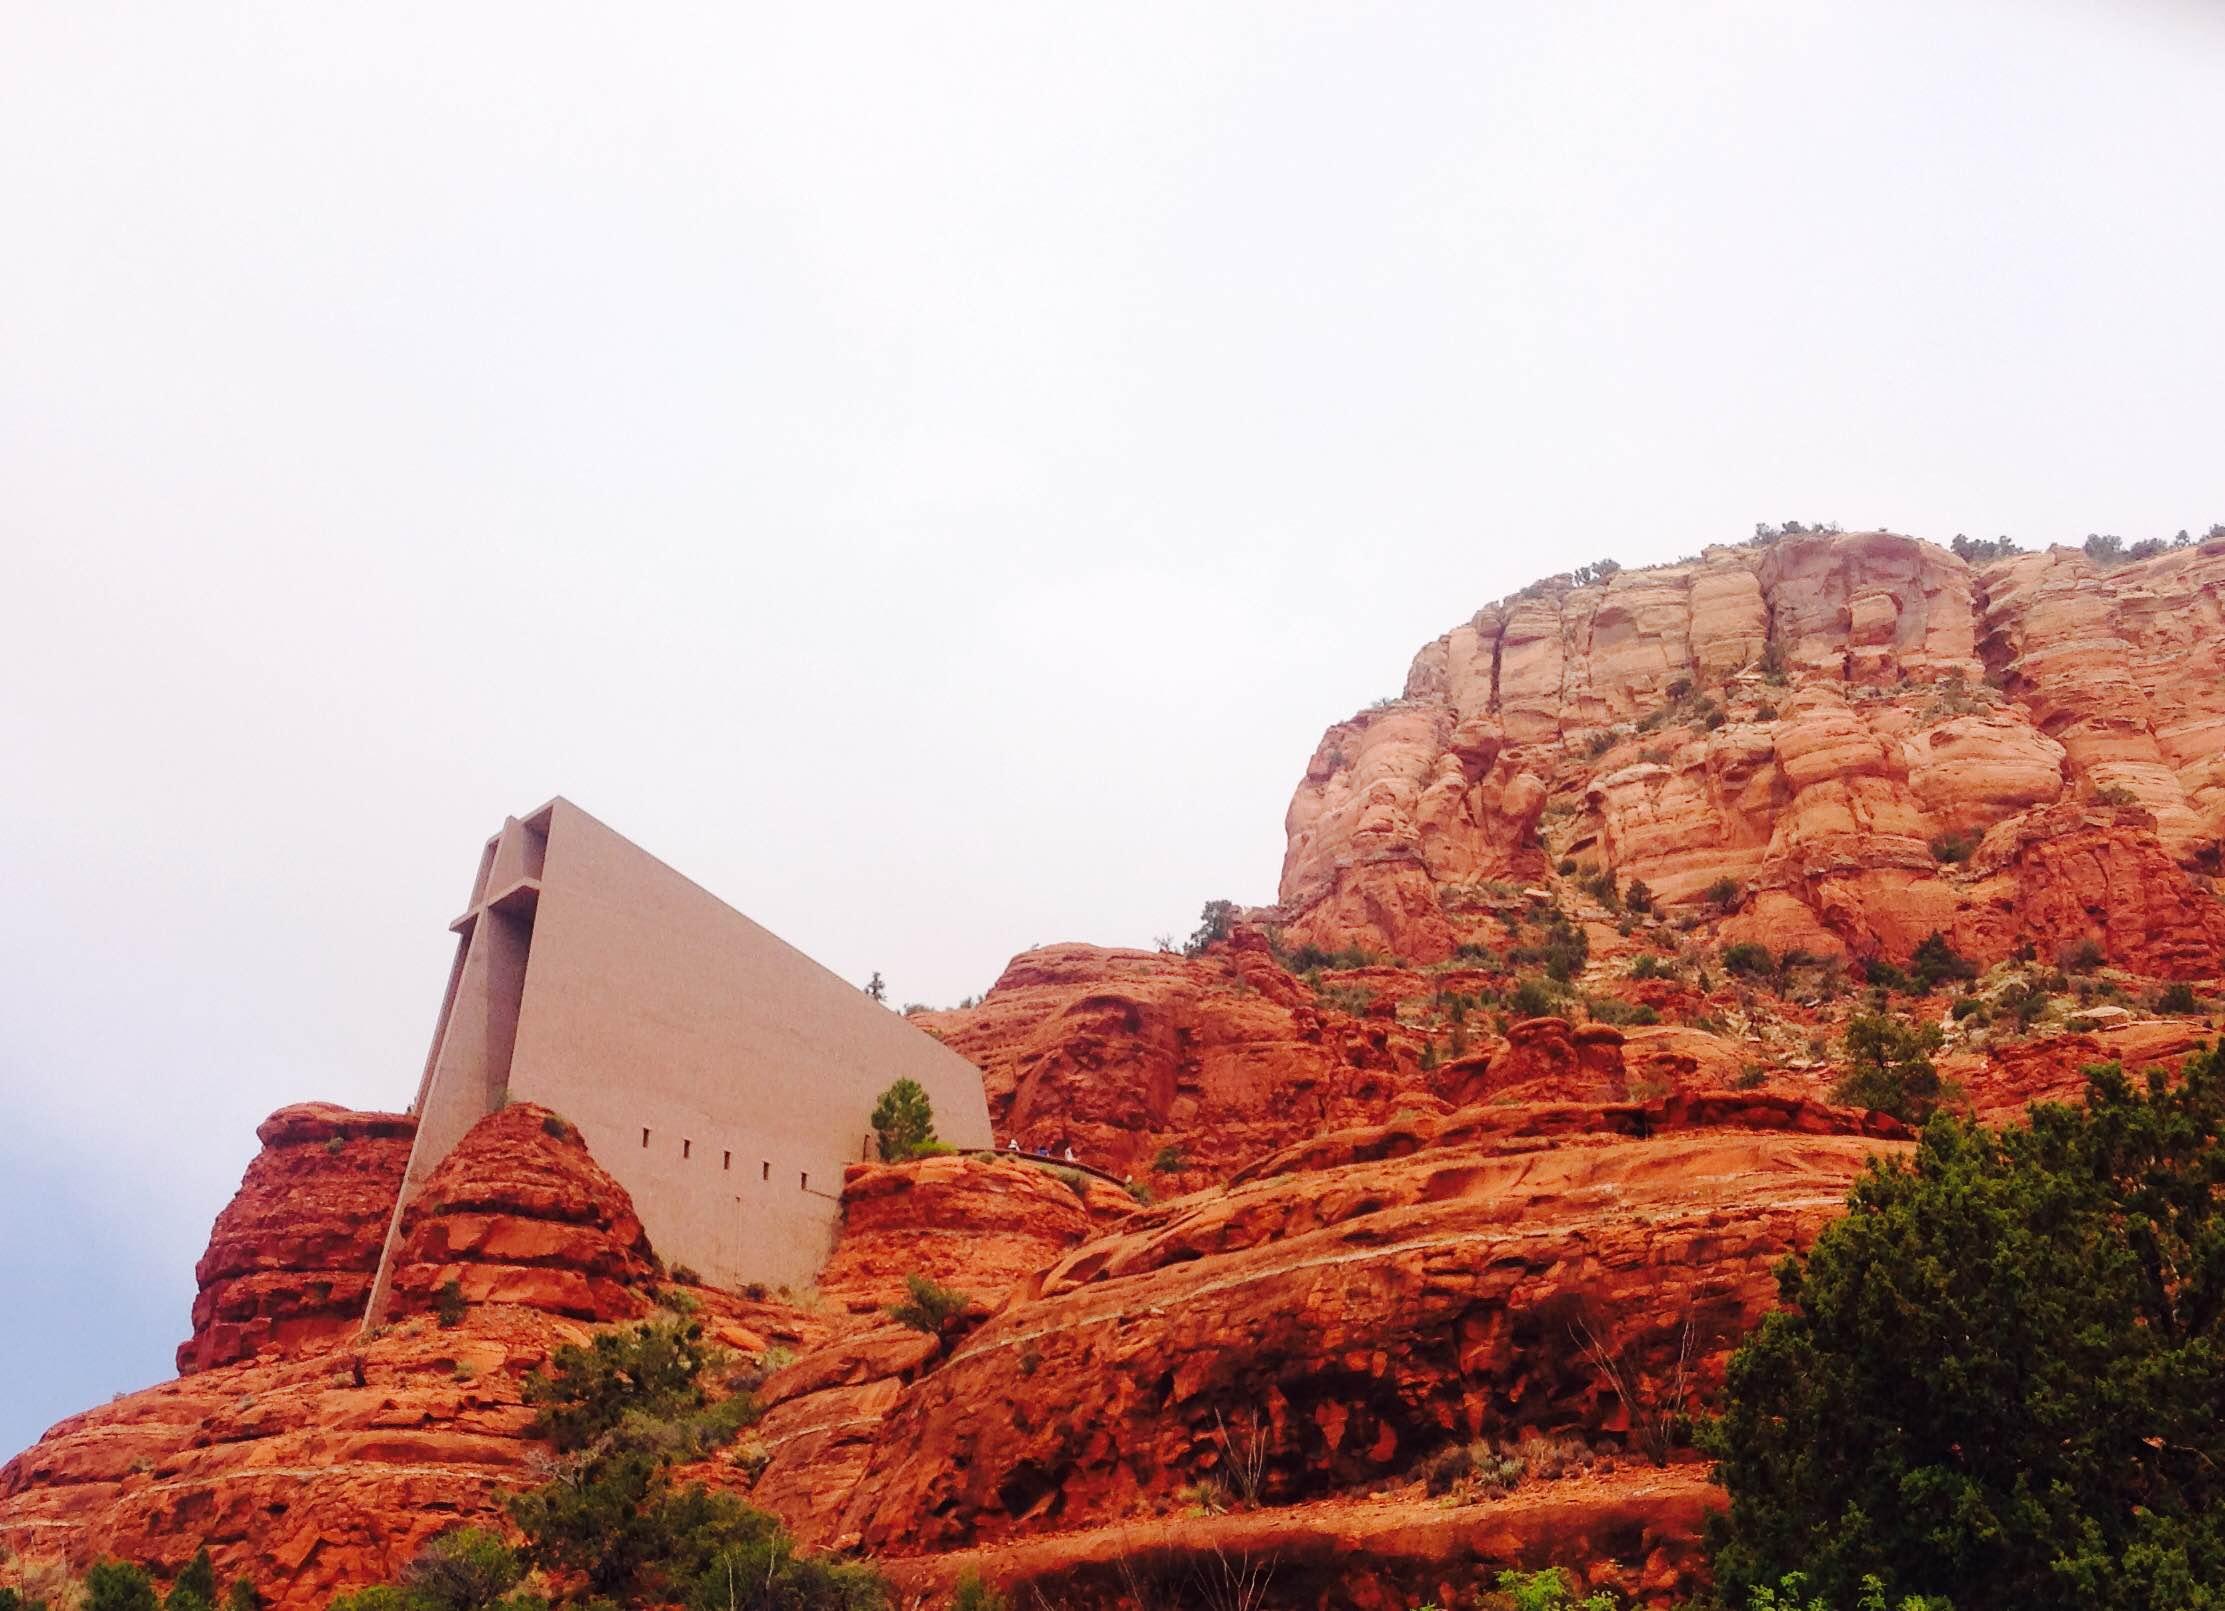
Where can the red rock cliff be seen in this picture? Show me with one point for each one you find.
(1804, 719)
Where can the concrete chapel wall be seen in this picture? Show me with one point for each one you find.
(721, 1075)
(652, 1006)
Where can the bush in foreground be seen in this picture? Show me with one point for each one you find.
(1997, 1378)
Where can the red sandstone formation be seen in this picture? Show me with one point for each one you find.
(1122, 1053)
(1637, 1532)
(310, 1472)
(291, 1257)
(1804, 719)
(825, 1420)
(1395, 804)
(2078, 873)
(980, 1224)
(520, 1214)
(2125, 667)
(1550, 1060)
(1353, 1307)
(2014, 1074)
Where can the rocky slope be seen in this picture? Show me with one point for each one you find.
(974, 1223)
(1804, 719)
(523, 1216)
(1124, 1054)
(1303, 1341)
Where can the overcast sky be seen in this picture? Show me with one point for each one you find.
(928, 472)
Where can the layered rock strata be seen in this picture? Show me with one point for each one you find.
(1803, 722)
(1340, 1313)
(977, 1224)
(291, 1257)
(1124, 1055)
(519, 1213)
(1396, 1211)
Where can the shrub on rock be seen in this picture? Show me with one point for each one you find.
(930, 1307)
(1889, 1067)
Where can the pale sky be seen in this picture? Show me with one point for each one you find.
(930, 473)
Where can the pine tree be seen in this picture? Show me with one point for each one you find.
(903, 1119)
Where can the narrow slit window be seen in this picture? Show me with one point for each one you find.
(687, 1147)
(765, 1170)
(645, 1136)
(803, 1181)
(729, 1162)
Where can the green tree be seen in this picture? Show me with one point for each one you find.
(1997, 1378)
(650, 1371)
(1549, 1590)
(1935, 963)
(614, 1518)
(1889, 1067)
(118, 1586)
(1748, 960)
(903, 1119)
(468, 1569)
(1532, 998)
(610, 1524)
(377, 1597)
(194, 1588)
(1214, 923)
(1564, 948)
(766, 1574)
(1791, 1594)
(973, 1593)
(1976, 549)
